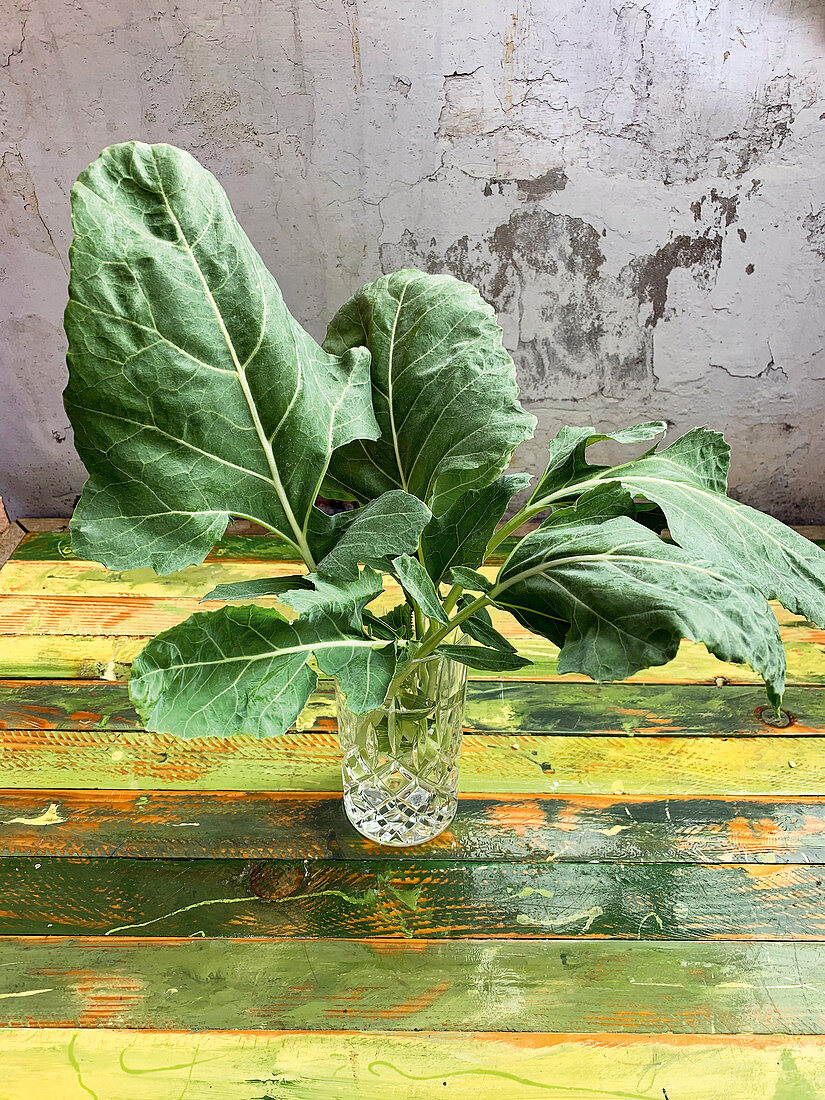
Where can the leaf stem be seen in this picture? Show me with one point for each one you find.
(532, 508)
(451, 599)
(429, 643)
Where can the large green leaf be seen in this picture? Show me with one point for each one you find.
(618, 599)
(567, 459)
(416, 580)
(479, 626)
(687, 480)
(489, 660)
(256, 589)
(444, 390)
(237, 670)
(374, 534)
(193, 393)
(244, 670)
(459, 536)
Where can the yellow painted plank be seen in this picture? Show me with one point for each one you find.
(70, 619)
(138, 1065)
(85, 578)
(107, 657)
(679, 767)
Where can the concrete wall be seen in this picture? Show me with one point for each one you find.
(638, 190)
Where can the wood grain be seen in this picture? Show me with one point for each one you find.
(79, 652)
(140, 1065)
(263, 825)
(405, 896)
(589, 986)
(642, 858)
(670, 767)
(72, 618)
(497, 706)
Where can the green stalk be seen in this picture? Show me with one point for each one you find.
(432, 640)
(429, 644)
(418, 620)
(451, 599)
(449, 602)
(532, 508)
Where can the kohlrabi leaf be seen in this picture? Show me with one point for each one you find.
(459, 536)
(489, 660)
(687, 480)
(256, 589)
(444, 390)
(480, 627)
(344, 599)
(193, 393)
(416, 581)
(618, 599)
(244, 670)
(470, 579)
(374, 534)
(397, 623)
(567, 461)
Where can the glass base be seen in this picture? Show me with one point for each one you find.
(400, 761)
(413, 816)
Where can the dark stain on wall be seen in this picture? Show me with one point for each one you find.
(649, 274)
(770, 122)
(547, 184)
(580, 331)
(814, 226)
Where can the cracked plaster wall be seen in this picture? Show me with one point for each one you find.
(636, 188)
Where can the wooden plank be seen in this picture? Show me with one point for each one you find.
(10, 537)
(73, 577)
(54, 544)
(76, 619)
(76, 658)
(108, 657)
(258, 825)
(49, 545)
(674, 767)
(44, 523)
(497, 706)
(144, 1065)
(588, 986)
(409, 897)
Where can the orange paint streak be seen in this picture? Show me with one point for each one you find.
(761, 835)
(414, 1004)
(525, 818)
(106, 998)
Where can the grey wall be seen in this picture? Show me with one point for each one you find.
(636, 188)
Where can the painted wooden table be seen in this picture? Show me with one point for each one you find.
(630, 903)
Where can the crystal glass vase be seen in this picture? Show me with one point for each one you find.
(400, 762)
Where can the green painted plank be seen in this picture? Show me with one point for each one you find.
(262, 825)
(406, 896)
(674, 767)
(575, 986)
(500, 706)
(142, 1065)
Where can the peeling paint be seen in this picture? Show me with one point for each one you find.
(814, 226)
(49, 816)
(636, 190)
(587, 915)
